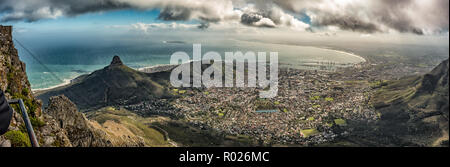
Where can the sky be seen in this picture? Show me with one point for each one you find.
(44, 23)
(365, 16)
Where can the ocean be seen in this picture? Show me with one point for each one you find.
(61, 64)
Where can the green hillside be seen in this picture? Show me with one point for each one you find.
(415, 109)
(113, 85)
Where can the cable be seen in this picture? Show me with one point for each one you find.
(35, 58)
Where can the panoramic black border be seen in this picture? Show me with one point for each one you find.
(297, 156)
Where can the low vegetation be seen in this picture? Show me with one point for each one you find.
(263, 104)
(340, 122)
(138, 126)
(308, 132)
(18, 138)
(190, 136)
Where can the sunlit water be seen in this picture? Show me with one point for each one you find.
(61, 66)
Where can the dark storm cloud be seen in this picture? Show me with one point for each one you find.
(175, 14)
(203, 26)
(256, 20)
(84, 6)
(391, 14)
(413, 16)
(367, 16)
(250, 18)
(16, 10)
(33, 10)
(347, 23)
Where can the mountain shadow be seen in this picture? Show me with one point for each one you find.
(414, 110)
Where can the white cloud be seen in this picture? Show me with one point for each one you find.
(368, 16)
(146, 27)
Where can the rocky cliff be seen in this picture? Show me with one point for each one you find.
(15, 84)
(83, 132)
(78, 128)
(61, 124)
(13, 77)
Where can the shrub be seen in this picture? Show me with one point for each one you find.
(36, 122)
(340, 122)
(263, 104)
(308, 132)
(31, 105)
(18, 139)
(25, 91)
(378, 84)
(314, 98)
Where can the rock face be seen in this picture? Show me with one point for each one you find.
(13, 77)
(79, 130)
(437, 78)
(83, 132)
(415, 110)
(52, 135)
(116, 61)
(61, 125)
(15, 84)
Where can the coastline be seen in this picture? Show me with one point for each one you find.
(65, 83)
(38, 91)
(148, 69)
(167, 67)
(363, 60)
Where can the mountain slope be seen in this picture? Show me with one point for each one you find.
(115, 84)
(414, 110)
(87, 133)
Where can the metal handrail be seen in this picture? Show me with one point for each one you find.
(30, 131)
